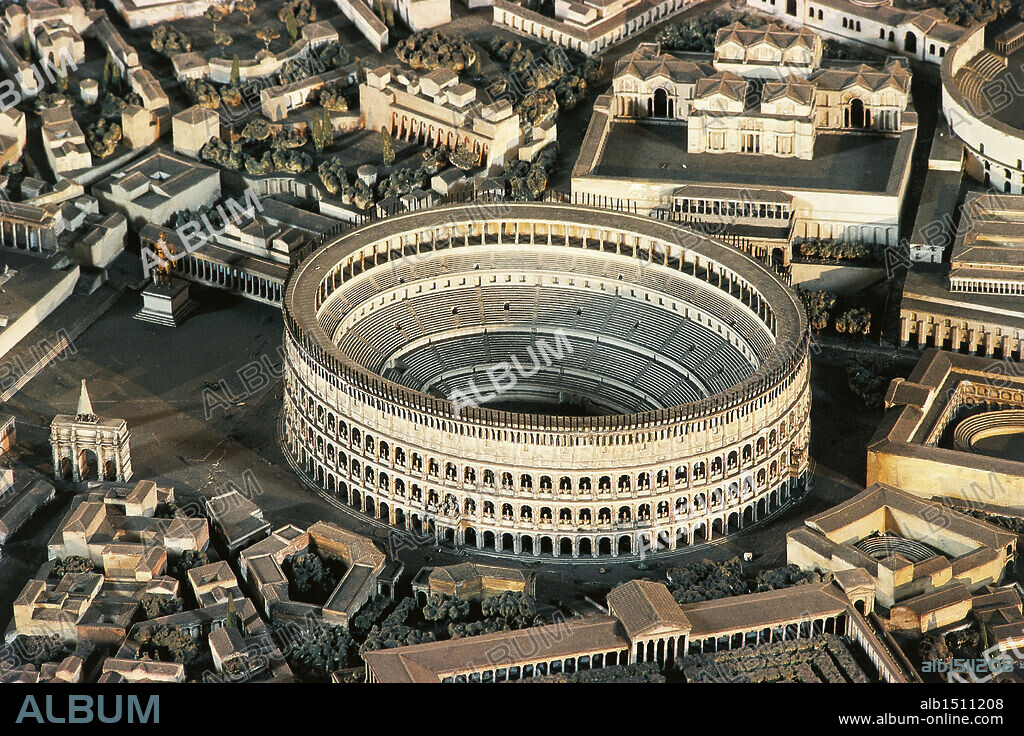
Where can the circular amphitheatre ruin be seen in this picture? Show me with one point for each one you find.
(546, 380)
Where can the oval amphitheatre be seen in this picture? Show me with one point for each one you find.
(546, 380)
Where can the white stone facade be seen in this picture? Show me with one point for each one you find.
(585, 487)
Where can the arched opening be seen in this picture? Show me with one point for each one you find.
(700, 535)
(856, 113)
(88, 465)
(110, 470)
(526, 545)
(546, 547)
(910, 43)
(586, 548)
(488, 540)
(791, 7)
(400, 518)
(604, 546)
(660, 103)
(507, 543)
(859, 605)
(565, 547)
(778, 257)
(469, 537)
(66, 471)
(625, 545)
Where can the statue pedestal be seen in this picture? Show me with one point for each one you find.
(166, 305)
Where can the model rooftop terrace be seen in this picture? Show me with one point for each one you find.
(841, 162)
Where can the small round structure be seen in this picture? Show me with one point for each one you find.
(546, 379)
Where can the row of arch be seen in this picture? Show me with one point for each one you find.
(461, 534)
(322, 424)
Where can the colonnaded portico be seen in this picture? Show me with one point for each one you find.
(546, 379)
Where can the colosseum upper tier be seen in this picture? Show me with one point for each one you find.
(546, 379)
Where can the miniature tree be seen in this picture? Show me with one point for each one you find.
(290, 26)
(327, 127)
(26, 45)
(856, 321)
(819, 305)
(267, 35)
(332, 174)
(387, 147)
(223, 40)
(72, 564)
(187, 560)
(318, 133)
(232, 622)
(231, 96)
(236, 71)
(868, 378)
(331, 98)
(159, 605)
(246, 8)
(102, 137)
(463, 155)
(215, 14)
(257, 129)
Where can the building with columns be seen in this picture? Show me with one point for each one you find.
(925, 35)
(88, 447)
(389, 405)
(437, 109)
(250, 253)
(975, 303)
(763, 114)
(31, 228)
(589, 26)
(644, 624)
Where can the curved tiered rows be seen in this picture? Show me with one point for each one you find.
(672, 370)
(975, 433)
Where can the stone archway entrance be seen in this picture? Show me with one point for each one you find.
(660, 103)
(856, 113)
(88, 465)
